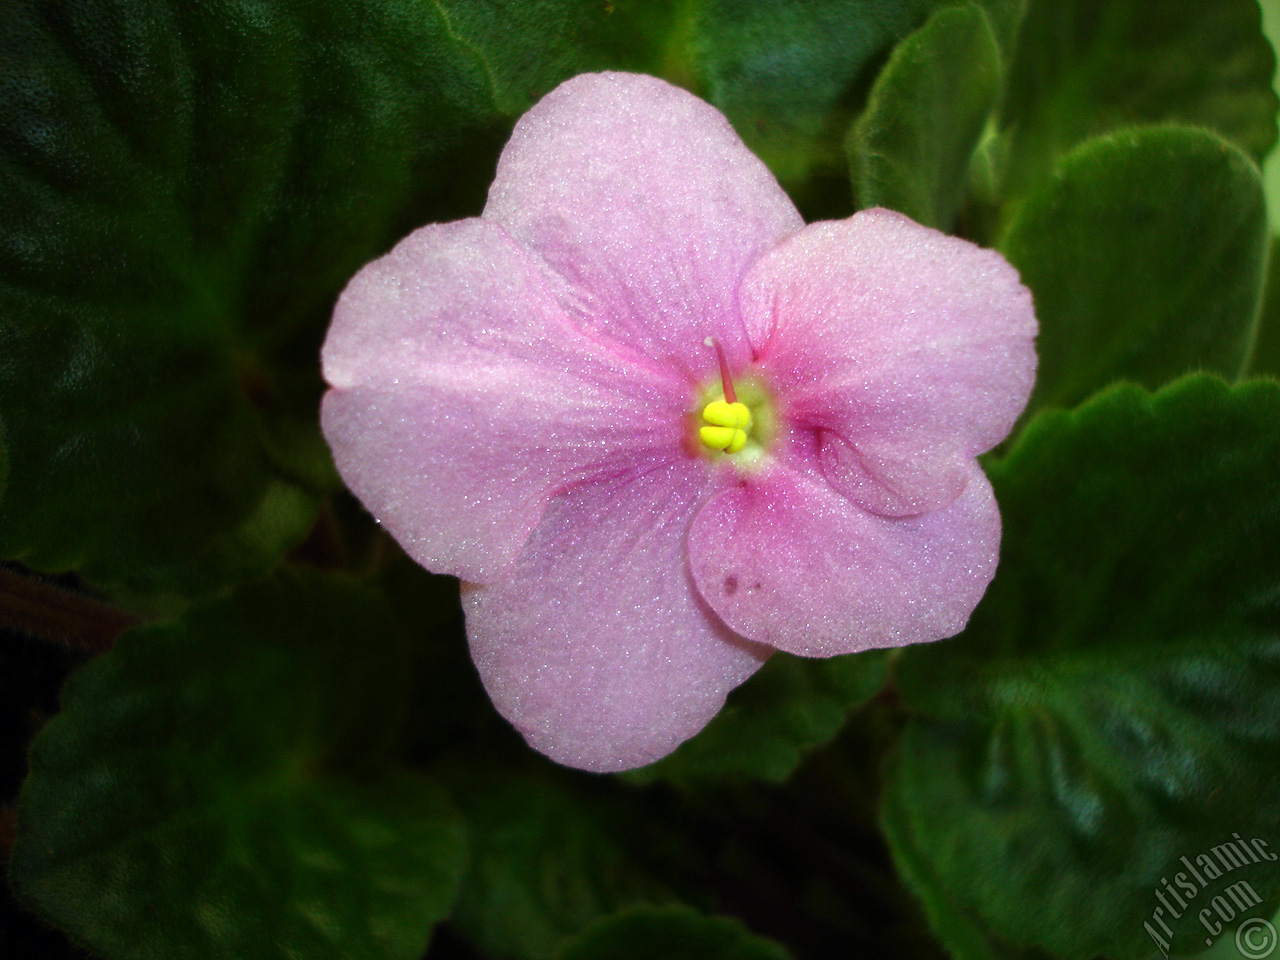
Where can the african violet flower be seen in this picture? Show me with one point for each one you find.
(660, 428)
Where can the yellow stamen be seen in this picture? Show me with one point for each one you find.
(727, 428)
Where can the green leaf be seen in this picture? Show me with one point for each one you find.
(1264, 357)
(768, 724)
(550, 856)
(187, 188)
(1114, 704)
(213, 789)
(1005, 19)
(672, 933)
(911, 148)
(791, 76)
(1145, 256)
(1086, 67)
(959, 930)
(526, 47)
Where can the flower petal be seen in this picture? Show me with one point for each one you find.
(907, 351)
(647, 207)
(597, 648)
(464, 399)
(786, 560)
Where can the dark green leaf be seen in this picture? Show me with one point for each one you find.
(791, 76)
(1145, 255)
(960, 931)
(911, 148)
(1085, 67)
(672, 933)
(1114, 705)
(4, 461)
(550, 856)
(213, 789)
(526, 47)
(187, 187)
(448, 705)
(769, 723)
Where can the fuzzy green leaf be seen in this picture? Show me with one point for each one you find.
(550, 857)
(212, 789)
(1114, 704)
(1087, 67)
(1145, 255)
(791, 76)
(911, 148)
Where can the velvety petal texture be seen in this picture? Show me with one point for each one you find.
(464, 399)
(648, 209)
(518, 399)
(788, 561)
(597, 647)
(909, 352)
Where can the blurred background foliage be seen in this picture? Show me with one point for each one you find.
(271, 743)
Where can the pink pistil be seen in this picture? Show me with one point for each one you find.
(726, 381)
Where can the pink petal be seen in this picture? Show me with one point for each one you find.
(464, 400)
(786, 560)
(647, 208)
(907, 351)
(597, 647)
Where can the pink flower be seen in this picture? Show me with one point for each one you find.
(519, 399)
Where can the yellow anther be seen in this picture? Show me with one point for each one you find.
(727, 428)
(723, 414)
(719, 438)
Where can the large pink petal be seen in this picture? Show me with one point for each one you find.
(907, 351)
(786, 560)
(647, 207)
(464, 400)
(597, 648)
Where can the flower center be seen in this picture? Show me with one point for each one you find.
(727, 426)
(730, 424)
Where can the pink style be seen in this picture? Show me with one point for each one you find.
(531, 400)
